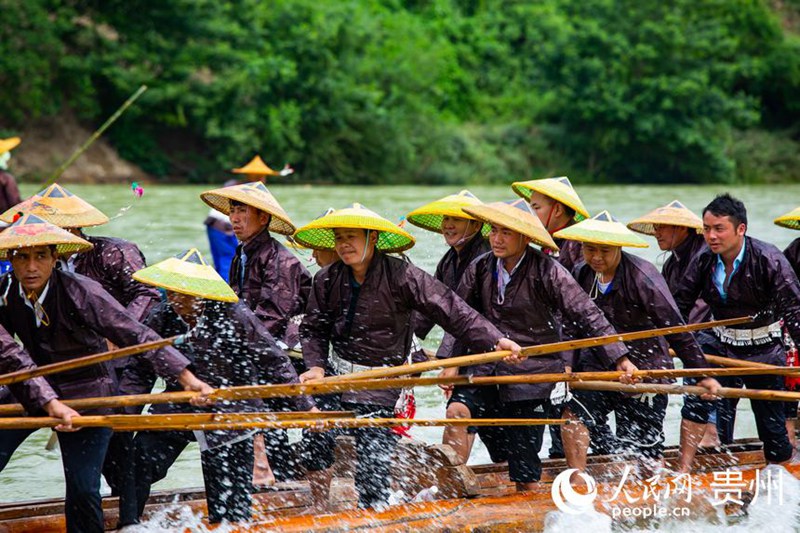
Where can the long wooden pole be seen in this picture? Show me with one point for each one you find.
(247, 421)
(724, 392)
(739, 363)
(252, 392)
(77, 153)
(530, 351)
(80, 362)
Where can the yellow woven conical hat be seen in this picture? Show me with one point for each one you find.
(318, 233)
(291, 242)
(187, 273)
(515, 215)
(430, 216)
(6, 145)
(672, 214)
(256, 167)
(790, 220)
(255, 194)
(29, 230)
(602, 229)
(559, 189)
(58, 206)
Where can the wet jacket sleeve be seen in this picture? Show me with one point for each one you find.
(138, 376)
(282, 284)
(663, 312)
(580, 312)
(140, 297)
(466, 291)
(315, 330)
(436, 301)
(34, 393)
(272, 362)
(691, 285)
(104, 315)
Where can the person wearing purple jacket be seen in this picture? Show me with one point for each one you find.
(634, 297)
(528, 296)
(465, 237)
(59, 316)
(362, 308)
(227, 346)
(273, 283)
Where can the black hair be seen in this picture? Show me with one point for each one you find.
(568, 210)
(725, 205)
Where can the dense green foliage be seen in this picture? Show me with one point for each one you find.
(391, 91)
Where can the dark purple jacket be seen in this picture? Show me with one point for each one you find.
(675, 267)
(539, 294)
(570, 253)
(639, 299)
(9, 191)
(449, 271)
(81, 317)
(764, 286)
(112, 263)
(228, 347)
(275, 284)
(374, 328)
(33, 393)
(792, 253)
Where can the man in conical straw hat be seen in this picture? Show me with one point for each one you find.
(679, 231)
(558, 206)
(362, 307)
(791, 220)
(58, 316)
(739, 276)
(527, 295)
(271, 281)
(9, 192)
(110, 262)
(228, 346)
(634, 297)
(465, 237)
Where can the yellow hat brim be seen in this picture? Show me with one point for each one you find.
(669, 215)
(602, 232)
(31, 231)
(193, 279)
(318, 234)
(255, 195)
(429, 216)
(58, 206)
(507, 216)
(556, 189)
(6, 145)
(790, 220)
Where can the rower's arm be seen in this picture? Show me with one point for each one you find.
(315, 330)
(33, 393)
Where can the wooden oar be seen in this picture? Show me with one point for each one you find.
(237, 421)
(530, 351)
(724, 392)
(253, 392)
(80, 362)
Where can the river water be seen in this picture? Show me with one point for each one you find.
(169, 219)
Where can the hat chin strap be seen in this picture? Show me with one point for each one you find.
(4, 159)
(366, 245)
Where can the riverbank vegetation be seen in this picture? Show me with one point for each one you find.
(416, 91)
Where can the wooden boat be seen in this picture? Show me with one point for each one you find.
(472, 498)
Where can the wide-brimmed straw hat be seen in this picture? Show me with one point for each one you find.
(672, 214)
(6, 145)
(515, 215)
(790, 220)
(293, 243)
(256, 167)
(255, 194)
(559, 189)
(58, 206)
(29, 230)
(318, 233)
(602, 229)
(187, 273)
(430, 216)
